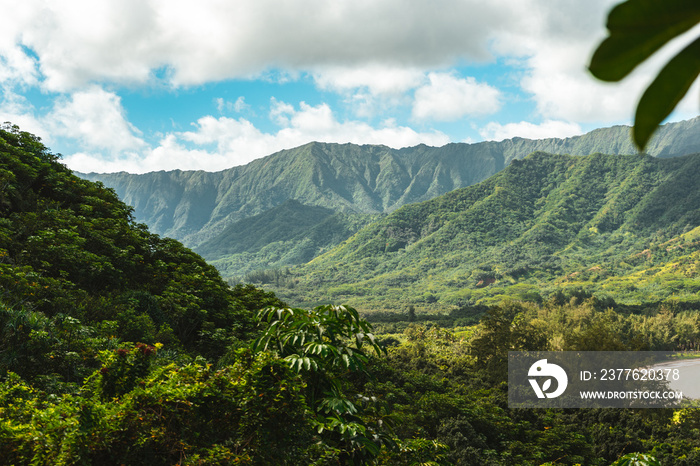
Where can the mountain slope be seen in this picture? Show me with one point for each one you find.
(194, 206)
(78, 275)
(288, 234)
(525, 229)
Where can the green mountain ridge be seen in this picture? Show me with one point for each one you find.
(518, 234)
(195, 206)
(256, 232)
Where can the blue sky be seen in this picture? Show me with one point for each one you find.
(144, 85)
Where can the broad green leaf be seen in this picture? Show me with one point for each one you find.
(369, 445)
(638, 28)
(664, 93)
(637, 459)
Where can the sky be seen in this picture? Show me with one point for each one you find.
(148, 85)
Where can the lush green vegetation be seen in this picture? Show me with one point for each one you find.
(286, 235)
(196, 206)
(449, 385)
(79, 281)
(292, 206)
(118, 346)
(71, 254)
(620, 226)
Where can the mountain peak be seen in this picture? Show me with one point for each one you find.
(194, 206)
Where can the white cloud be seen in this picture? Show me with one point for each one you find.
(448, 98)
(548, 129)
(220, 143)
(16, 68)
(221, 104)
(379, 55)
(15, 109)
(239, 106)
(365, 49)
(280, 112)
(370, 89)
(552, 46)
(378, 79)
(82, 41)
(562, 88)
(126, 40)
(96, 118)
(318, 123)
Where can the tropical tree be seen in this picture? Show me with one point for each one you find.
(637, 459)
(330, 346)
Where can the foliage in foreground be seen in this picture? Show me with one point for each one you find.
(78, 275)
(249, 412)
(450, 387)
(638, 29)
(207, 383)
(316, 387)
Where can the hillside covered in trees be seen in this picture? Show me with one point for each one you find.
(118, 346)
(625, 227)
(286, 235)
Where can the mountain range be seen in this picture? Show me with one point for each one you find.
(626, 227)
(242, 220)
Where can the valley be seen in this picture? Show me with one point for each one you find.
(383, 229)
(121, 346)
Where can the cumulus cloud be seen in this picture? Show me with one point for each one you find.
(365, 49)
(17, 68)
(378, 55)
(548, 129)
(220, 143)
(448, 98)
(82, 41)
(382, 46)
(552, 45)
(126, 40)
(378, 79)
(370, 89)
(280, 112)
(94, 117)
(16, 109)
